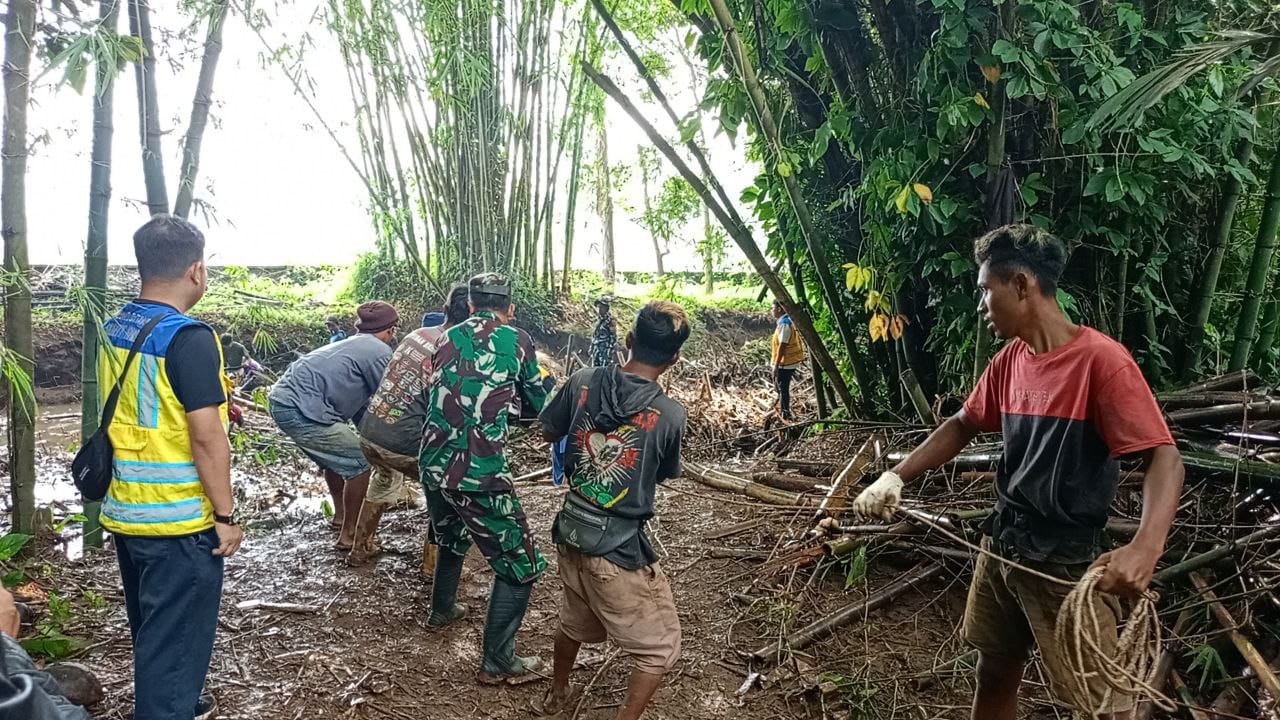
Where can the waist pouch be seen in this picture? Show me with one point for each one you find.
(590, 530)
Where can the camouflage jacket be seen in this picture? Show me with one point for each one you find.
(481, 373)
(603, 342)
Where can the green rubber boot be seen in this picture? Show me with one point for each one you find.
(507, 605)
(444, 590)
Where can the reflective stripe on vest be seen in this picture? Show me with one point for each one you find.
(155, 489)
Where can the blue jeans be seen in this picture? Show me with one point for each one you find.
(172, 588)
(557, 460)
(333, 447)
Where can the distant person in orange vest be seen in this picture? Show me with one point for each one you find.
(787, 357)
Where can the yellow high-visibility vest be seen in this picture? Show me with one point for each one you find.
(155, 489)
(790, 352)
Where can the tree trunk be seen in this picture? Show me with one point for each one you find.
(200, 110)
(95, 258)
(18, 39)
(1259, 271)
(604, 204)
(148, 109)
(648, 215)
(814, 244)
(1203, 302)
(571, 206)
(708, 257)
(997, 133)
(740, 235)
(1270, 321)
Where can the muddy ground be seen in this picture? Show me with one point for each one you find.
(363, 650)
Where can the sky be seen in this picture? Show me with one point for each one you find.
(279, 188)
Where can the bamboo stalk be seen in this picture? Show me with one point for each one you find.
(848, 614)
(740, 234)
(1242, 643)
(1261, 410)
(1204, 559)
(800, 207)
(748, 488)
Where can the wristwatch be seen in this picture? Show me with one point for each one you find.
(226, 519)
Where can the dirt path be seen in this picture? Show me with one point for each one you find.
(367, 652)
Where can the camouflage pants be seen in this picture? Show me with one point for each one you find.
(494, 521)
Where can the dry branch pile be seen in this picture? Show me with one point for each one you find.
(1217, 580)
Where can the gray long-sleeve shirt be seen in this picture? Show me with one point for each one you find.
(28, 693)
(333, 383)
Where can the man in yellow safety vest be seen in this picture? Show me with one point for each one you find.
(169, 505)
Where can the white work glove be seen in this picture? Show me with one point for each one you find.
(881, 499)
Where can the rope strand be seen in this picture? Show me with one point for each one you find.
(1129, 670)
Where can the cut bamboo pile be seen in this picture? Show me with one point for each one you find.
(1216, 580)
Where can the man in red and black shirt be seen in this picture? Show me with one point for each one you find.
(1070, 402)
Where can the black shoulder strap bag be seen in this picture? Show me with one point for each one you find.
(91, 469)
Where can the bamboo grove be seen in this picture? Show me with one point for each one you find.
(911, 128)
(889, 134)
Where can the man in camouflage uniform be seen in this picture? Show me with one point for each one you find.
(484, 370)
(604, 340)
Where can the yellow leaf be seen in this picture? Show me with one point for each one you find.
(897, 325)
(851, 276)
(900, 201)
(849, 266)
(784, 169)
(864, 278)
(878, 326)
(991, 73)
(982, 102)
(923, 192)
(873, 299)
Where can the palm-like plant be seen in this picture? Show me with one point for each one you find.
(1125, 109)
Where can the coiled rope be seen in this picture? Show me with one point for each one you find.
(1127, 670)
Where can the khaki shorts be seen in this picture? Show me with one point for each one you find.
(633, 607)
(1010, 612)
(389, 471)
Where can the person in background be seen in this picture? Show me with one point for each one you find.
(484, 371)
(625, 440)
(787, 356)
(604, 339)
(391, 431)
(27, 693)
(320, 394)
(169, 505)
(604, 353)
(234, 354)
(1070, 402)
(333, 326)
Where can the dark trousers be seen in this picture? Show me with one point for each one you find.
(172, 588)
(783, 383)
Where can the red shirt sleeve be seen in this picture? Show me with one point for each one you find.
(983, 406)
(1126, 414)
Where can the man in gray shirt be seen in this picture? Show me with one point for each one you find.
(322, 393)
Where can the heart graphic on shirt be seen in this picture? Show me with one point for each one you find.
(604, 449)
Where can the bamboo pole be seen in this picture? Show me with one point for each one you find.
(799, 206)
(1204, 559)
(721, 481)
(848, 614)
(1242, 643)
(740, 235)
